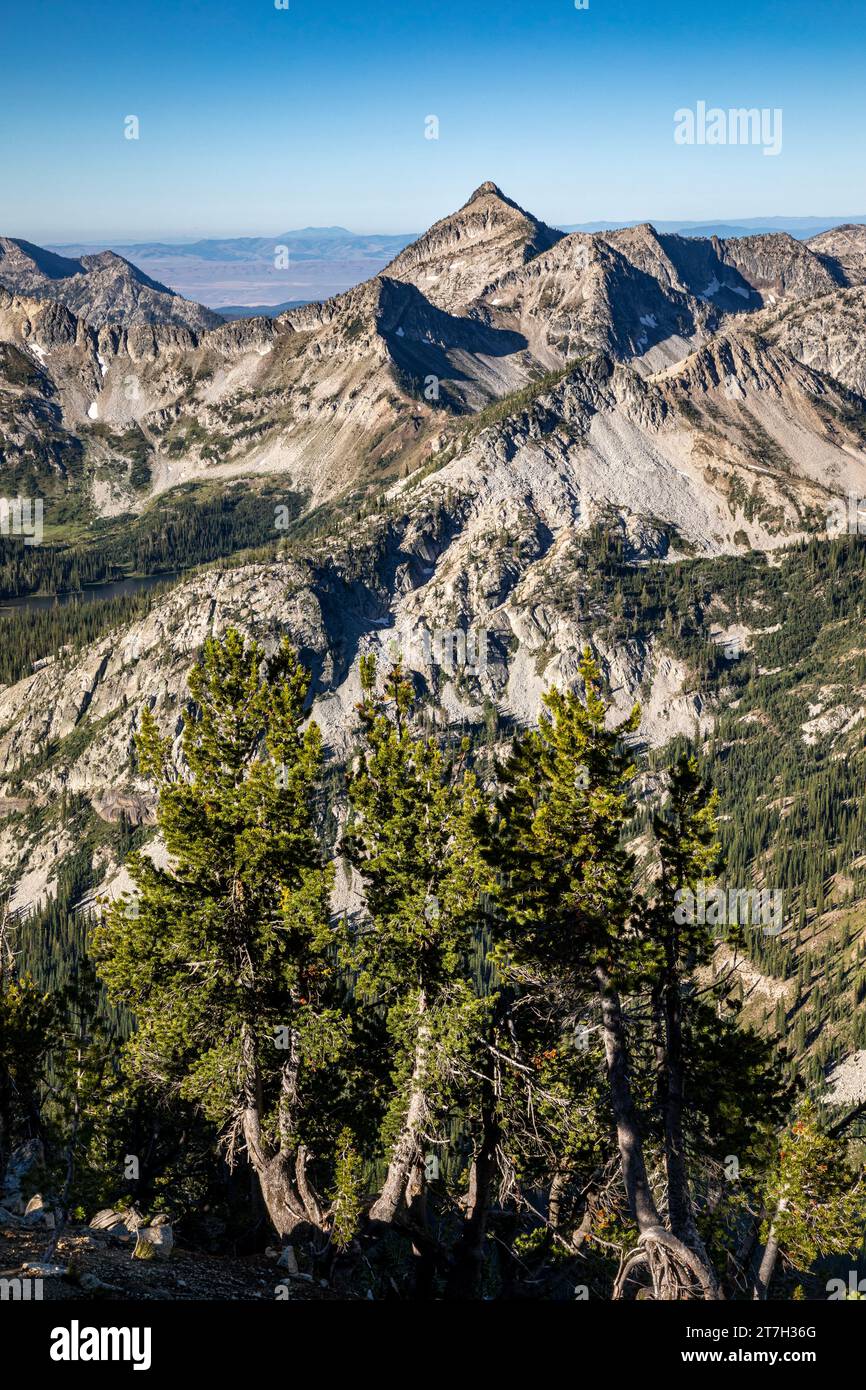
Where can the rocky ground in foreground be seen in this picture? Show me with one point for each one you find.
(100, 1268)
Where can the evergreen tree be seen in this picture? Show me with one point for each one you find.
(817, 1200)
(569, 901)
(409, 835)
(226, 957)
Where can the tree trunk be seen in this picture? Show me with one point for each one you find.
(465, 1279)
(407, 1151)
(764, 1277)
(282, 1175)
(558, 1189)
(676, 1269)
(637, 1188)
(288, 1217)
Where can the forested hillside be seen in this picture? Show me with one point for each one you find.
(432, 737)
(513, 1068)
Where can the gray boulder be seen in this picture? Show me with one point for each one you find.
(154, 1242)
(23, 1172)
(37, 1213)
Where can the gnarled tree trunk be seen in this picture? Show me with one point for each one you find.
(675, 1269)
(286, 1190)
(407, 1153)
(637, 1188)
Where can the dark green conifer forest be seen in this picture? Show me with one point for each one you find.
(505, 1065)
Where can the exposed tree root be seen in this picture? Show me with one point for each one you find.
(675, 1272)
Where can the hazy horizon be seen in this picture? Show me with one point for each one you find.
(272, 272)
(746, 220)
(244, 274)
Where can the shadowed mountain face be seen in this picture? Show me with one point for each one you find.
(480, 314)
(31, 265)
(474, 439)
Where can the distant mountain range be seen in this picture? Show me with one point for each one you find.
(239, 276)
(799, 227)
(251, 311)
(242, 276)
(490, 300)
(499, 432)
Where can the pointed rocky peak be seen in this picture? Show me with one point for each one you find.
(464, 252)
(641, 241)
(643, 247)
(110, 265)
(489, 189)
(639, 231)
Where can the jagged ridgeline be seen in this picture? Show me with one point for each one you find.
(728, 371)
(509, 446)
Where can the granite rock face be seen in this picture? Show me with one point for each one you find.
(102, 289)
(99, 364)
(498, 391)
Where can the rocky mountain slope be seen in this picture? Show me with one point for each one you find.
(481, 428)
(843, 250)
(828, 333)
(493, 544)
(344, 397)
(102, 288)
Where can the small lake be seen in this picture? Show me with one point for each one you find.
(90, 593)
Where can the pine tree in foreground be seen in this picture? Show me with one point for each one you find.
(496, 945)
(226, 957)
(569, 903)
(409, 836)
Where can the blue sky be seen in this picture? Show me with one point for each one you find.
(255, 120)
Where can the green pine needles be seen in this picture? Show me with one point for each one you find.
(507, 1052)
